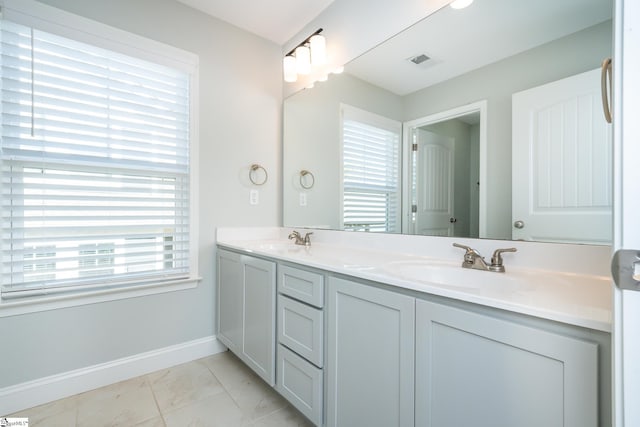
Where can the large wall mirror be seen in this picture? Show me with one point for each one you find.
(482, 122)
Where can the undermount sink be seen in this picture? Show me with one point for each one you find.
(452, 274)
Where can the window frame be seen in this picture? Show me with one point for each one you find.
(387, 124)
(52, 20)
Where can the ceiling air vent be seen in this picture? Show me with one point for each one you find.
(419, 59)
(423, 61)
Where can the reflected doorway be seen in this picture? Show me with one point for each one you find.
(444, 155)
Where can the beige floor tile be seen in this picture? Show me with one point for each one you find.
(60, 419)
(57, 410)
(122, 404)
(255, 397)
(286, 417)
(154, 422)
(216, 411)
(227, 368)
(182, 385)
(216, 391)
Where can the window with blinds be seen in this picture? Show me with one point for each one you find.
(95, 167)
(371, 177)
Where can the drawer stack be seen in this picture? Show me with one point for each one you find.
(300, 355)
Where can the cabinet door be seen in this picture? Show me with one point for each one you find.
(370, 365)
(476, 370)
(259, 317)
(230, 294)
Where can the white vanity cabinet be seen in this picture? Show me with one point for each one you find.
(370, 356)
(473, 369)
(348, 351)
(300, 376)
(246, 310)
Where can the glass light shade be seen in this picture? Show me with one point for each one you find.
(460, 4)
(289, 69)
(318, 46)
(303, 60)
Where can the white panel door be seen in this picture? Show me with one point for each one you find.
(562, 162)
(626, 112)
(434, 184)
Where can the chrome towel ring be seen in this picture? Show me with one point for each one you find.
(253, 171)
(303, 174)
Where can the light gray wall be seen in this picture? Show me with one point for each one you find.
(496, 82)
(240, 116)
(311, 138)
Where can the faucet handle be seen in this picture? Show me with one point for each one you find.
(496, 259)
(294, 235)
(307, 238)
(470, 255)
(470, 250)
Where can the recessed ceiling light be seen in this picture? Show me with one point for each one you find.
(460, 4)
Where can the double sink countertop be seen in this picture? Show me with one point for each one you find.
(572, 297)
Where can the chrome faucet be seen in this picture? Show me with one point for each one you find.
(299, 240)
(496, 259)
(473, 259)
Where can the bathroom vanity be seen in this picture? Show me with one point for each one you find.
(352, 333)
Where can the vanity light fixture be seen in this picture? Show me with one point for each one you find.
(318, 46)
(289, 67)
(460, 4)
(303, 60)
(311, 52)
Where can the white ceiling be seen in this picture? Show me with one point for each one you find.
(275, 20)
(457, 43)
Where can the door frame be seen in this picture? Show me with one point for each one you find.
(626, 232)
(463, 110)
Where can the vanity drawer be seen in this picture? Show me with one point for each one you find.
(300, 383)
(300, 327)
(302, 285)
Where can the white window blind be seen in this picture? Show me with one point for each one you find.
(95, 166)
(371, 178)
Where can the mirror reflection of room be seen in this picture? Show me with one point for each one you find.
(496, 181)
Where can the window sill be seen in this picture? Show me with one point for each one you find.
(46, 303)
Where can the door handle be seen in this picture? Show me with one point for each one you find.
(453, 220)
(606, 87)
(518, 224)
(625, 269)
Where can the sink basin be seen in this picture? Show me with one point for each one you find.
(276, 246)
(453, 275)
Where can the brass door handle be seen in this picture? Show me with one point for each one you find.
(606, 87)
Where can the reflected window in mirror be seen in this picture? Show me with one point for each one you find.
(371, 171)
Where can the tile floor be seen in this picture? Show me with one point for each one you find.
(218, 390)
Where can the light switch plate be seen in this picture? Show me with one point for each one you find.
(254, 197)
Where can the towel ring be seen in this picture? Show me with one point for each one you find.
(304, 173)
(255, 167)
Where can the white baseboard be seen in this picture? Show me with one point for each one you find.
(33, 393)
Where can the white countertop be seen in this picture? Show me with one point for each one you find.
(569, 297)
